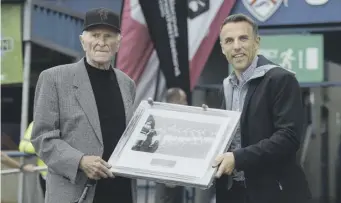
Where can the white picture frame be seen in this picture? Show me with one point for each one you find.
(174, 144)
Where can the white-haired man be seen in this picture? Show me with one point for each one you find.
(81, 111)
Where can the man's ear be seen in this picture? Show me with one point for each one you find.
(82, 41)
(222, 50)
(119, 37)
(257, 41)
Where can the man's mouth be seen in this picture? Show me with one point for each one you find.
(238, 56)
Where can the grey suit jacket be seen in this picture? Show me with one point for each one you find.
(67, 126)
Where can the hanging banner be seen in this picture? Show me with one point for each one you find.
(205, 19)
(138, 57)
(167, 24)
(11, 44)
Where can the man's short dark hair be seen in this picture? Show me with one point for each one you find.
(174, 95)
(235, 18)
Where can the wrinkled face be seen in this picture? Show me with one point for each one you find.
(239, 44)
(100, 44)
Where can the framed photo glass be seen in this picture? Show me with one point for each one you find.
(174, 144)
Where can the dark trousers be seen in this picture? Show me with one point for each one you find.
(164, 194)
(113, 190)
(236, 194)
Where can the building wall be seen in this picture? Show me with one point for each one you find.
(82, 6)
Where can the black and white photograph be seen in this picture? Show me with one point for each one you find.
(173, 142)
(147, 143)
(177, 137)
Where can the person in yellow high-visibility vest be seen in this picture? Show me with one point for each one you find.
(27, 147)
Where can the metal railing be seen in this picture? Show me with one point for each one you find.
(17, 154)
(13, 171)
(22, 156)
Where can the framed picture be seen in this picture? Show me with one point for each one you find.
(174, 144)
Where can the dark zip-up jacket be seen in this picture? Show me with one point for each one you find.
(272, 123)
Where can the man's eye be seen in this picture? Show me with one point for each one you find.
(228, 41)
(243, 38)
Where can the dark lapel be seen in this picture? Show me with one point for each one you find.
(251, 90)
(86, 98)
(253, 86)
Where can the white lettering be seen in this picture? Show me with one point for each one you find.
(167, 9)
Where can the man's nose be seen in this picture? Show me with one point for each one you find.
(237, 45)
(101, 42)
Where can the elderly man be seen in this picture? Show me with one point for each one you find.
(262, 157)
(81, 111)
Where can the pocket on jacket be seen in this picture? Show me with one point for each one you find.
(59, 189)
